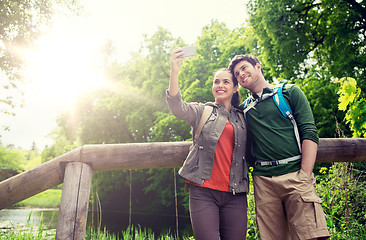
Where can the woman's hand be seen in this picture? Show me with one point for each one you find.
(176, 59)
(175, 63)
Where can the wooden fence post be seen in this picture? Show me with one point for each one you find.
(74, 204)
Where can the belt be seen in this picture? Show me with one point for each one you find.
(277, 162)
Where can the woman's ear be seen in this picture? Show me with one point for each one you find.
(235, 88)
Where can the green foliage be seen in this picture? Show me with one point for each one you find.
(139, 126)
(349, 92)
(352, 98)
(252, 229)
(322, 96)
(342, 189)
(100, 121)
(212, 54)
(158, 47)
(14, 161)
(296, 34)
(11, 158)
(106, 182)
(168, 128)
(40, 232)
(62, 145)
(10, 161)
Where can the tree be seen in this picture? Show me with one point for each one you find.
(322, 96)
(10, 161)
(296, 34)
(301, 40)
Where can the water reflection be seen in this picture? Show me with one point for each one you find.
(32, 216)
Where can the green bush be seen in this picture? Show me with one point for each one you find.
(343, 191)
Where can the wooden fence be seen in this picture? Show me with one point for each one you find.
(75, 169)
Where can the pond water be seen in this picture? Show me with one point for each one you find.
(32, 216)
(113, 221)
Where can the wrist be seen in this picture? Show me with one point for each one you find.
(308, 172)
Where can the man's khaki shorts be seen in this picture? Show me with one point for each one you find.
(287, 207)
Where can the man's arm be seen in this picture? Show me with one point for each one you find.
(309, 151)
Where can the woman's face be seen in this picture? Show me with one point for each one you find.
(223, 87)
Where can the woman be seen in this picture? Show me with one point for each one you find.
(215, 169)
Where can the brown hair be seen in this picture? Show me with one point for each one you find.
(238, 58)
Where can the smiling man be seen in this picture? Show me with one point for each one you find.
(284, 154)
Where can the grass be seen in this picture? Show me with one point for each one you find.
(29, 232)
(47, 199)
(33, 162)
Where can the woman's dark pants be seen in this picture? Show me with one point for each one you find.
(217, 215)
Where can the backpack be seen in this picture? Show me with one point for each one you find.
(205, 115)
(285, 110)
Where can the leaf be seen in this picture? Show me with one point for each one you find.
(349, 92)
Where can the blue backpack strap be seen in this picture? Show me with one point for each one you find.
(286, 110)
(246, 102)
(250, 102)
(281, 102)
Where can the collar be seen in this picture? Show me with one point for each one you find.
(265, 90)
(223, 107)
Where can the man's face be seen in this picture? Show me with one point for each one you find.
(246, 74)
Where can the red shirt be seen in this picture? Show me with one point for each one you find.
(220, 175)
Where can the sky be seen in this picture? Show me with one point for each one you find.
(66, 59)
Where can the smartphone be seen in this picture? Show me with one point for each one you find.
(189, 51)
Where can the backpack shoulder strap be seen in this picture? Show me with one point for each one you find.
(241, 117)
(205, 115)
(246, 108)
(281, 102)
(250, 102)
(286, 110)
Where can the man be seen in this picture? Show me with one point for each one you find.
(287, 206)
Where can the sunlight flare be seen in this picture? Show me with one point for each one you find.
(61, 67)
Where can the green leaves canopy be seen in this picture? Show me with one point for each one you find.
(297, 34)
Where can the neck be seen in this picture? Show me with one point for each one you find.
(260, 86)
(227, 105)
(228, 108)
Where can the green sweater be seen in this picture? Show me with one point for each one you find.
(272, 135)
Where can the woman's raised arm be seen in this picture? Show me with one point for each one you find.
(175, 64)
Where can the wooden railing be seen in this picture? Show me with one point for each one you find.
(74, 169)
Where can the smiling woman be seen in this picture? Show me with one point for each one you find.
(60, 68)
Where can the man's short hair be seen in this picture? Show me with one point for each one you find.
(238, 58)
